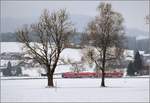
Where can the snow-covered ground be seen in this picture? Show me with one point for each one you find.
(11, 47)
(76, 90)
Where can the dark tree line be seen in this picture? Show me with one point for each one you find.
(12, 70)
(130, 43)
(135, 67)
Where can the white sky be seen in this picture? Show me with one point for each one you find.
(134, 12)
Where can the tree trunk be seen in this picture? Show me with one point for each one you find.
(50, 77)
(103, 79)
(50, 81)
(103, 68)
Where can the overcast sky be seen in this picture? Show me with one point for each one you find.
(134, 12)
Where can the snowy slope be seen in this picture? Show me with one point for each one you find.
(73, 54)
(11, 47)
(76, 90)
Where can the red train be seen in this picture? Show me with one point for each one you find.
(92, 74)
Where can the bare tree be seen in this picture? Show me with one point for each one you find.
(52, 32)
(104, 34)
(77, 66)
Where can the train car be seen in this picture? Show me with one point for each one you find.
(113, 74)
(86, 74)
(69, 75)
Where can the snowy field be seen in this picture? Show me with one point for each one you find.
(76, 90)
